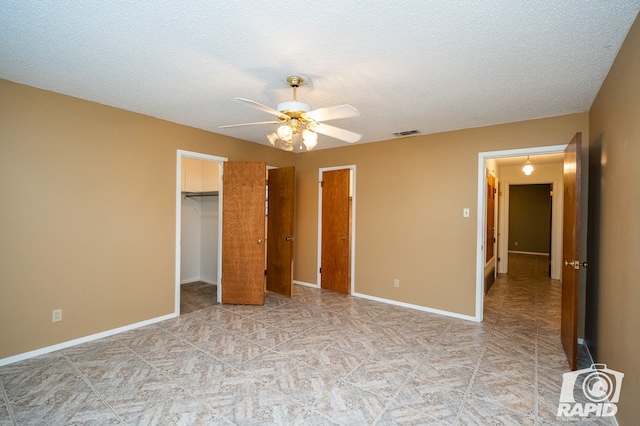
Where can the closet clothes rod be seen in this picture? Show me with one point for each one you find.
(200, 194)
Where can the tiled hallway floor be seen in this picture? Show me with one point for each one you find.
(320, 358)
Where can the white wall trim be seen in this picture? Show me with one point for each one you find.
(180, 154)
(198, 278)
(534, 253)
(416, 307)
(190, 280)
(482, 158)
(321, 170)
(306, 284)
(74, 342)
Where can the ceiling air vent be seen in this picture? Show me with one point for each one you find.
(407, 133)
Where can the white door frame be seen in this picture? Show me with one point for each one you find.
(352, 189)
(206, 157)
(482, 158)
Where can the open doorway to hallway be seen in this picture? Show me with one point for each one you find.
(506, 168)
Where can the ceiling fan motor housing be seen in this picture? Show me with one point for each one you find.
(293, 108)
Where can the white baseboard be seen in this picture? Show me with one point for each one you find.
(306, 284)
(74, 342)
(529, 252)
(416, 307)
(196, 279)
(403, 304)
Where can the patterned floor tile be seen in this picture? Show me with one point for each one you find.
(396, 414)
(438, 374)
(304, 384)
(510, 369)
(269, 337)
(348, 404)
(439, 402)
(5, 417)
(496, 388)
(266, 406)
(179, 410)
(313, 418)
(227, 390)
(41, 380)
(318, 358)
(333, 361)
(197, 372)
(65, 406)
(479, 412)
(211, 338)
(377, 378)
(269, 366)
(237, 351)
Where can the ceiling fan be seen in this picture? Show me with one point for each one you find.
(300, 124)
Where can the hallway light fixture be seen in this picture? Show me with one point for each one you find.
(528, 167)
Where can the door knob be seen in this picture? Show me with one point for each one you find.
(345, 238)
(575, 264)
(260, 240)
(290, 238)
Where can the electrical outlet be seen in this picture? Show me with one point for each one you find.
(56, 315)
(396, 282)
(466, 212)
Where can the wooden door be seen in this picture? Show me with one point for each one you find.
(490, 232)
(243, 233)
(280, 228)
(571, 250)
(336, 244)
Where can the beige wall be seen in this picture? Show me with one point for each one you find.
(410, 194)
(613, 296)
(87, 218)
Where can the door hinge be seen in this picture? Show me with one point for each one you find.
(321, 184)
(265, 272)
(320, 270)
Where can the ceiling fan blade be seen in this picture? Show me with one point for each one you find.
(333, 113)
(264, 108)
(249, 124)
(338, 133)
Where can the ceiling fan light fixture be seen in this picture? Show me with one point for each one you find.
(285, 132)
(299, 125)
(273, 138)
(528, 167)
(309, 139)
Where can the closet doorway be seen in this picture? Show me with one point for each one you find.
(198, 225)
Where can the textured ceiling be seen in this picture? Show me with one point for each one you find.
(405, 64)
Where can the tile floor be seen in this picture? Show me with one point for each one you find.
(319, 358)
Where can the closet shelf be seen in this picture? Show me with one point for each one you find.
(200, 194)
